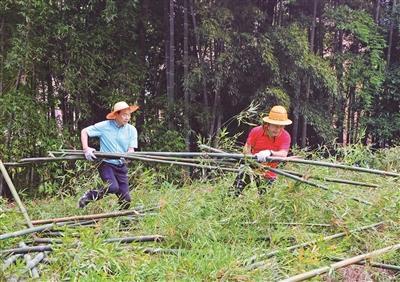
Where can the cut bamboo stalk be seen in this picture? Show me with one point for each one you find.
(48, 248)
(373, 264)
(131, 156)
(147, 238)
(302, 224)
(343, 263)
(294, 177)
(92, 217)
(33, 271)
(336, 180)
(25, 250)
(15, 194)
(205, 160)
(280, 159)
(35, 261)
(156, 251)
(313, 242)
(44, 227)
(46, 241)
(134, 155)
(30, 230)
(9, 261)
(150, 159)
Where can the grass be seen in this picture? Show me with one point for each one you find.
(214, 234)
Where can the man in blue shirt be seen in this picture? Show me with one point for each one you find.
(116, 136)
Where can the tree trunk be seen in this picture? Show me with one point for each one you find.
(391, 28)
(167, 53)
(308, 83)
(346, 119)
(142, 46)
(171, 86)
(377, 10)
(296, 113)
(200, 57)
(2, 35)
(50, 93)
(186, 74)
(216, 108)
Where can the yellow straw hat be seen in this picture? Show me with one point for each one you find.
(278, 115)
(119, 107)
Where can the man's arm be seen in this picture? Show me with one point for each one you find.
(280, 153)
(88, 151)
(247, 149)
(84, 139)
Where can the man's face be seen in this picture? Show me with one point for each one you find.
(273, 130)
(123, 117)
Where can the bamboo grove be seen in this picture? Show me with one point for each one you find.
(194, 65)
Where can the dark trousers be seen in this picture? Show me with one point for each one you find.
(244, 178)
(116, 177)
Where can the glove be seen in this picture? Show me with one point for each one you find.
(89, 154)
(263, 155)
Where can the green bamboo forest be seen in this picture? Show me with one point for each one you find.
(200, 140)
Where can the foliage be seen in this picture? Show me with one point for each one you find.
(216, 235)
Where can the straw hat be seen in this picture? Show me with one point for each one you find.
(278, 116)
(119, 107)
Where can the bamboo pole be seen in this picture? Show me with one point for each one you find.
(33, 271)
(150, 159)
(71, 219)
(147, 238)
(155, 251)
(216, 155)
(9, 261)
(294, 177)
(336, 180)
(343, 263)
(302, 224)
(280, 159)
(48, 248)
(131, 156)
(25, 250)
(312, 242)
(27, 231)
(373, 264)
(58, 222)
(168, 158)
(46, 241)
(15, 194)
(35, 261)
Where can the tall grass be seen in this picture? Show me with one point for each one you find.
(216, 234)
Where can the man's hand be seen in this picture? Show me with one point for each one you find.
(89, 154)
(263, 155)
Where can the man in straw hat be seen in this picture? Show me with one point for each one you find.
(117, 136)
(268, 139)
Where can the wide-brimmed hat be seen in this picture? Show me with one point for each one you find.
(119, 107)
(278, 115)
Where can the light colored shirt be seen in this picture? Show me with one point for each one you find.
(114, 138)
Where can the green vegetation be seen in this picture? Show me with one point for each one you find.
(215, 234)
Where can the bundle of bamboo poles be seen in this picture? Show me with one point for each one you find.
(219, 160)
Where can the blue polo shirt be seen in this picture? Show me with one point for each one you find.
(114, 138)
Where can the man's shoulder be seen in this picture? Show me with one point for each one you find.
(285, 135)
(103, 123)
(131, 127)
(257, 130)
